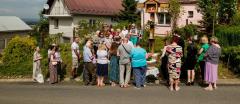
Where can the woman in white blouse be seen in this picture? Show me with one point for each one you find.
(102, 64)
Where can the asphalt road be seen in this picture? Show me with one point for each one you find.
(32, 93)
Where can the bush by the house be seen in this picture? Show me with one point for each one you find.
(187, 31)
(231, 57)
(228, 35)
(17, 57)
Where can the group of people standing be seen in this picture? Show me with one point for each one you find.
(113, 55)
(207, 58)
(54, 64)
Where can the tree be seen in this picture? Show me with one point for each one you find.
(227, 9)
(208, 8)
(129, 12)
(41, 29)
(174, 11)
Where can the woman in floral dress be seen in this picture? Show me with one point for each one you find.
(174, 52)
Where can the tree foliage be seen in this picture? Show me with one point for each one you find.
(187, 31)
(207, 8)
(19, 49)
(174, 11)
(41, 30)
(227, 10)
(129, 13)
(228, 35)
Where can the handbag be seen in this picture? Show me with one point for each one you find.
(54, 63)
(40, 78)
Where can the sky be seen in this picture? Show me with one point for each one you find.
(21, 8)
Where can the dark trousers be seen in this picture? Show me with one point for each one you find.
(140, 75)
(202, 69)
(89, 73)
(60, 71)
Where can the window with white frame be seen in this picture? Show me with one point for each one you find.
(164, 19)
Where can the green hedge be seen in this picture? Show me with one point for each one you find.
(228, 35)
(17, 57)
(231, 57)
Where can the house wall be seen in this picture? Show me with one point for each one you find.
(67, 22)
(58, 8)
(164, 29)
(104, 19)
(197, 16)
(65, 26)
(5, 37)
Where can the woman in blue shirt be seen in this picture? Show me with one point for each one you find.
(139, 65)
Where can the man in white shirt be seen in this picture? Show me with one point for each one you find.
(75, 56)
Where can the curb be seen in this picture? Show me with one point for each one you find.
(219, 82)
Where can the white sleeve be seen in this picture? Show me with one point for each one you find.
(164, 51)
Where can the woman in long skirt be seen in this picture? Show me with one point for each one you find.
(36, 64)
(114, 65)
(211, 67)
(174, 52)
(53, 67)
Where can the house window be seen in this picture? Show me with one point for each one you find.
(92, 22)
(2, 43)
(56, 23)
(190, 14)
(164, 18)
(66, 40)
(113, 19)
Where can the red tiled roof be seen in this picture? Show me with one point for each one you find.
(94, 7)
(182, 1)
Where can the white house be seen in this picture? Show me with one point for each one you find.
(64, 15)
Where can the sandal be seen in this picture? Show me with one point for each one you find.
(177, 88)
(208, 89)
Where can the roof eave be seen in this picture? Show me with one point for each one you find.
(6, 31)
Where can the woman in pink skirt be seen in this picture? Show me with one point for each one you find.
(211, 66)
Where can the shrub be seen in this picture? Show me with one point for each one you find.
(228, 35)
(231, 57)
(19, 49)
(17, 57)
(187, 31)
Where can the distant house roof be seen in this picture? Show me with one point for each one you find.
(182, 1)
(12, 23)
(91, 7)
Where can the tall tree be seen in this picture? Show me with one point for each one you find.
(174, 11)
(41, 29)
(208, 8)
(227, 9)
(129, 13)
